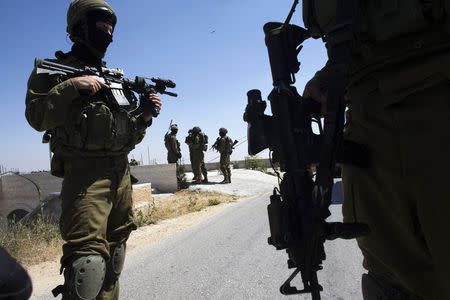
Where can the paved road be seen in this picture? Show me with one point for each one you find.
(227, 257)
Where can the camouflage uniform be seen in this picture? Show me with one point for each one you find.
(197, 142)
(90, 139)
(172, 145)
(224, 144)
(398, 100)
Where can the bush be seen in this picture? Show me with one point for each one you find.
(253, 162)
(181, 177)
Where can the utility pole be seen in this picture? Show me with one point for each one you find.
(148, 154)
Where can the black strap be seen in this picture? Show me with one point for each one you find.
(60, 289)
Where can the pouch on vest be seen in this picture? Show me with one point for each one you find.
(381, 20)
(121, 130)
(96, 126)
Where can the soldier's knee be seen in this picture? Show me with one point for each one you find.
(84, 278)
(115, 264)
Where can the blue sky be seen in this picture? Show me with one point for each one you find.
(169, 39)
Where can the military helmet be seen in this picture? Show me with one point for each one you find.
(79, 9)
(223, 130)
(174, 127)
(196, 129)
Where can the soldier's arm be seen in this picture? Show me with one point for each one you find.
(140, 126)
(48, 101)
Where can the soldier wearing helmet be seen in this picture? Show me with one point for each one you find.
(224, 145)
(198, 143)
(172, 145)
(90, 139)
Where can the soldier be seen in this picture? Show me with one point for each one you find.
(398, 99)
(90, 139)
(172, 145)
(198, 142)
(224, 144)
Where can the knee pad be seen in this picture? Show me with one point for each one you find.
(86, 276)
(117, 260)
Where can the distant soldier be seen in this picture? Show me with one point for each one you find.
(172, 145)
(224, 144)
(198, 142)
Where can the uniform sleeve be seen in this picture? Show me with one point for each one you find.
(48, 101)
(140, 128)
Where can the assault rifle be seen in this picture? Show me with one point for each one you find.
(216, 144)
(299, 208)
(120, 91)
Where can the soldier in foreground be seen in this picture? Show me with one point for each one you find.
(198, 143)
(224, 145)
(90, 138)
(398, 102)
(172, 145)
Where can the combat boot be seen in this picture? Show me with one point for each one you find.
(225, 180)
(205, 180)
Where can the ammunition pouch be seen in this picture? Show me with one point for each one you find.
(96, 127)
(380, 20)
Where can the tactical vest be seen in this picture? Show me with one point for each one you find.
(225, 145)
(94, 126)
(390, 34)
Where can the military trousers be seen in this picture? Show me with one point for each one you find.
(97, 211)
(403, 194)
(172, 157)
(225, 165)
(198, 165)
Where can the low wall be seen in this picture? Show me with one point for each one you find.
(238, 164)
(162, 177)
(19, 193)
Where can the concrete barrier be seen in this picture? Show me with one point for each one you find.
(237, 164)
(18, 192)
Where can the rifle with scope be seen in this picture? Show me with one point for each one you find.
(299, 207)
(120, 90)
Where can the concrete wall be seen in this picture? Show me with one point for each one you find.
(162, 177)
(238, 164)
(18, 193)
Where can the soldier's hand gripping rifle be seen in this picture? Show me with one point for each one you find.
(299, 208)
(215, 145)
(120, 91)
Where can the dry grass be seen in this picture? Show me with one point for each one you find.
(33, 243)
(40, 240)
(181, 203)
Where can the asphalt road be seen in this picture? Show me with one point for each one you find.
(227, 257)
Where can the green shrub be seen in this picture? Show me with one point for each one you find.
(253, 162)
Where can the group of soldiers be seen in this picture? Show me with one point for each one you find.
(197, 142)
(398, 99)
